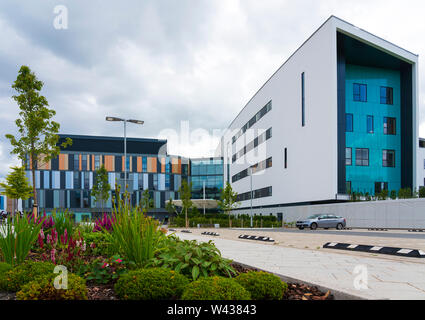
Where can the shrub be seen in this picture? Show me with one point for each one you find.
(4, 267)
(18, 236)
(150, 284)
(421, 192)
(134, 236)
(98, 244)
(393, 195)
(102, 271)
(193, 259)
(15, 278)
(43, 289)
(104, 224)
(262, 285)
(215, 288)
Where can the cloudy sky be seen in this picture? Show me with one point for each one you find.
(177, 64)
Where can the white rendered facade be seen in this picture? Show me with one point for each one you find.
(311, 173)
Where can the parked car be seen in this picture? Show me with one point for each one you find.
(325, 221)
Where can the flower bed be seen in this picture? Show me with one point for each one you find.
(128, 256)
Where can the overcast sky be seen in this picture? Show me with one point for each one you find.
(165, 61)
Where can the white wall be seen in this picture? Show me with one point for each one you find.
(312, 150)
(391, 214)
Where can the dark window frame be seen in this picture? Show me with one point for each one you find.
(385, 162)
(360, 162)
(367, 124)
(351, 156)
(357, 97)
(387, 127)
(388, 98)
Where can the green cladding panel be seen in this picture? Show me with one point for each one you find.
(363, 178)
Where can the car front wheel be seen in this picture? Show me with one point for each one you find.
(313, 226)
(339, 226)
(301, 228)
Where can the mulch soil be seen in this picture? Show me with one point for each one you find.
(296, 291)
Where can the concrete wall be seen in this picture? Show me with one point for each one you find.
(397, 214)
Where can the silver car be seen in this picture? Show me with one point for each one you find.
(325, 221)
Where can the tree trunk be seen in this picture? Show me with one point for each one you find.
(185, 217)
(35, 204)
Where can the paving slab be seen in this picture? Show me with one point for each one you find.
(387, 279)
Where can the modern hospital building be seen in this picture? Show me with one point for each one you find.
(340, 115)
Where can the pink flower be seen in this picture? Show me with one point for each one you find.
(118, 260)
(92, 245)
(105, 265)
(53, 255)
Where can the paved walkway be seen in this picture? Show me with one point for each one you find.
(387, 279)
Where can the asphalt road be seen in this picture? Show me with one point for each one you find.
(360, 233)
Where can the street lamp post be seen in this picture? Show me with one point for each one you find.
(125, 142)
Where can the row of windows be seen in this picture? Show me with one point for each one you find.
(390, 127)
(84, 180)
(253, 144)
(84, 199)
(263, 165)
(113, 163)
(360, 94)
(362, 157)
(209, 181)
(254, 119)
(257, 194)
(206, 169)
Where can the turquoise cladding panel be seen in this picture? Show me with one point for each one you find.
(363, 178)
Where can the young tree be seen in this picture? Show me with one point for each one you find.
(16, 186)
(170, 207)
(101, 186)
(186, 197)
(38, 133)
(228, 200)
(146, 203)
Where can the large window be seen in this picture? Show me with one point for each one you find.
(362, 157)
(360, 92)
(348, 122)
(386, 95)
(96, 162)
(369, 124)
(388, 158)
(348, 156)
(389, 126)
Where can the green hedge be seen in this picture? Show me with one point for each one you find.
(267, 222)
(262, 285)
(43, 289)
(151, 284)
(215, 288)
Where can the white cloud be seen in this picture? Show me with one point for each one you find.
(166, 62)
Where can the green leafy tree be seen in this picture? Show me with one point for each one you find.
(101, 187)
(186, 198)
(16, 186)
(228, 200)
(38, 137)
(170, 207)
(146, 203)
